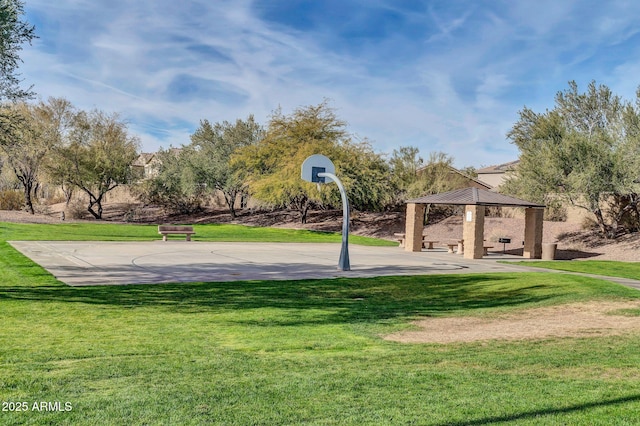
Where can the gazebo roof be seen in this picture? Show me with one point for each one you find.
(474, 196)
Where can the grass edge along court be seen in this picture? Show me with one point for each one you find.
(290, 352)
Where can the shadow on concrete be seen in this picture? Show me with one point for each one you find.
(217, 272)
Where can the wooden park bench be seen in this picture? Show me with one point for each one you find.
(165, 230)
(486, 249)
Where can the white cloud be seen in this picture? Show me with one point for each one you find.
(452, 80)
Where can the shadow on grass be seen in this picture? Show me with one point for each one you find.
(546, 412)
(340, 300)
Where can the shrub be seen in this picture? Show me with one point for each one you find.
(56, 198)
(76, 210)
(173, 198)
(132, 212)
(42, 208)
(11, 200)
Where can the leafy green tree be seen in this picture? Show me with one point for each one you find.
(29, 132)
(210, 152)
(96, 156)
(176, 187)
(14, 32)
(404, 163)
(24, 146)
(365, 174)
(272, 167)
(437, 175)
(58, 115)
(586, 151)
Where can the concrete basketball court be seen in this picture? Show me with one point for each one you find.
(108, 263)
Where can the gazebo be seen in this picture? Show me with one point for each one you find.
(475, 200)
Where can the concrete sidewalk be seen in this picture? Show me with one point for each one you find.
(106, 263)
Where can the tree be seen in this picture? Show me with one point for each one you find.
(437, 175)
(58, 115)
(586, 151)
(272, 167)
(412, 177)
(96, 157)
(176, 187)
(210, 152)
(24, 146)
(29, 131)
(404, 163)
(14, 32)
(365, 174)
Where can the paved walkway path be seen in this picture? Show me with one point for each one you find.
(107, 263)
(624, 281)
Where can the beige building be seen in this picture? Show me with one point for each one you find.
(146, 165)
(496, 175)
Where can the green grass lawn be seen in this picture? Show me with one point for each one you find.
(296, 352)
(597, 267)
(207, 232)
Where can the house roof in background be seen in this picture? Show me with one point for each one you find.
(464, 175)
(474, 196)
(143, 159)
(500, 168)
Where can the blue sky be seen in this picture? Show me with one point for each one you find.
(444, 75)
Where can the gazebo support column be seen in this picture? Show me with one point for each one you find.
(414, 226)
(473, 232)
(533, 222)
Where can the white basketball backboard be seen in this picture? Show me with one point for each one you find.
(315, 164)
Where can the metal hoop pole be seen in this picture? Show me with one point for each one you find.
(343, 263)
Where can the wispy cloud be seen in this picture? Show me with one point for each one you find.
(440, 75)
